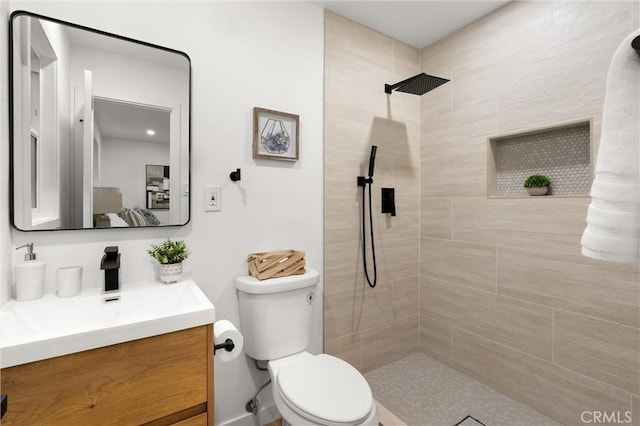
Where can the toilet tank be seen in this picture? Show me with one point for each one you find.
(276, 314)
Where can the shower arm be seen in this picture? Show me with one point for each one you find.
(389, 87)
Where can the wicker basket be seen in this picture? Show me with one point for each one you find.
(276, 264)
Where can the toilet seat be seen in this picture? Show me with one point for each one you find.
(325, 390)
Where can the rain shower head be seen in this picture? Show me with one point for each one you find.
(416, 85)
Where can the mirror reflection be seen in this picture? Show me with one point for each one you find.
(100, 135)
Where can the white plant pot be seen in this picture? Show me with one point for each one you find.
(171, 272)
(541, 190)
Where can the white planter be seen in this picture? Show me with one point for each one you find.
(541, 190)
(171, 272)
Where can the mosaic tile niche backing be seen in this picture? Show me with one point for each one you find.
(563, 155)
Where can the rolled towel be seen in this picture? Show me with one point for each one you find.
(613, 227)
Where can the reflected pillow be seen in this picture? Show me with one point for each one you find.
(116, 221)
(149, 217)
(132, 217)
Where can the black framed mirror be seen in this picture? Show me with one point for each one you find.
(99, 128)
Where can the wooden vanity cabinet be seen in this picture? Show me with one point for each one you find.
(160, 380)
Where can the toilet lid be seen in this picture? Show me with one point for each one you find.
(326, 388)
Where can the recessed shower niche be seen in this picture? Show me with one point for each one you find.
(562, 153)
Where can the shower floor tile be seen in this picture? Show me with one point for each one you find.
(424, 392)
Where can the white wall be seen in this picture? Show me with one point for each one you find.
(243, 55)
(124, 166)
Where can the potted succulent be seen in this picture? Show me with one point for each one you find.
(537, 184)
(170, 255)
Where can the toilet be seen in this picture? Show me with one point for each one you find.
(276, 317)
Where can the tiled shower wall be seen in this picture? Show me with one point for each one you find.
(505, 294)
(370, 327)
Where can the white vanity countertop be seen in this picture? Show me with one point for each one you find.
(54, 326)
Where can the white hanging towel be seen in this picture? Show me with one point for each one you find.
(612, 232)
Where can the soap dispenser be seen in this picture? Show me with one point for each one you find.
(29, 276)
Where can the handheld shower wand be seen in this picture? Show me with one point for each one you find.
(372, 160)
(362, 181)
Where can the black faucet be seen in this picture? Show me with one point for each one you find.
(111, 265)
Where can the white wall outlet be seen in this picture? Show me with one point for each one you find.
(212, 201)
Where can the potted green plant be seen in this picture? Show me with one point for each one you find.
(170, 255)
(537, 184)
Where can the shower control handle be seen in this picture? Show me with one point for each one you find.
(388, 201)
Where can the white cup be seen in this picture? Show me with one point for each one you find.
(69, 281)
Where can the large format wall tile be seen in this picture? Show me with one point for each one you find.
(458, 132)
(525, 66)
(352, 40)
(552, 390)
(494, 287)
(341, 220)
(405, 297)
(460, 175)
(435, 218)
(388, 343)
(603, 350)
(469, 264)
(571, 282)
(346, 348)
(542, 223)
(396, 260)
(358, 114)
(353, 311)
(517, 324)
(342, 267)
(435, 336)
(342, 311)
(343, 224)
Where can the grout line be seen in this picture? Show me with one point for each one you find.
(525, 301)
(506, 296)
(547, 362)
(580, 314)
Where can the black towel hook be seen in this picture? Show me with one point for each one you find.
(636, 44)
(235, 176)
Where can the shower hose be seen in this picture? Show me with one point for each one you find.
(364, 242)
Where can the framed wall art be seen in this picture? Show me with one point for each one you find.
(275, 135)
